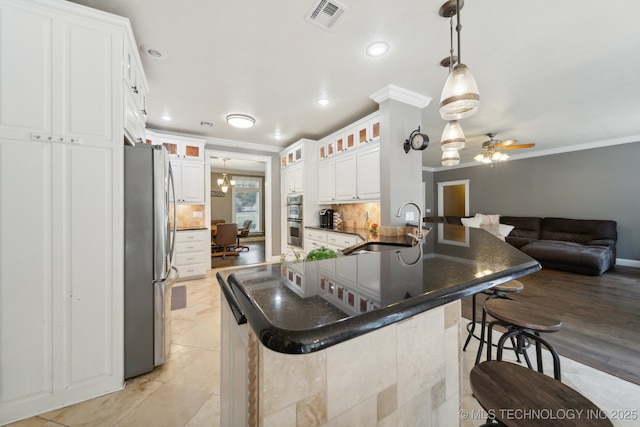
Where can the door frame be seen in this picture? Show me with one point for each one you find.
(268, 231)
(442, 185)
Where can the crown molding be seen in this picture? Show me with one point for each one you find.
(400, 94)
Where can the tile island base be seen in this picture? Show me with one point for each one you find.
(406, 373)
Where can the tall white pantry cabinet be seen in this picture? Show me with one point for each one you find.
(62, 71)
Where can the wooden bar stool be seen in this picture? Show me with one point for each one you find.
(500, 291)
(519, 397)
(524, 322)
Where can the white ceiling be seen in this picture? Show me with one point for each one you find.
(559, 74)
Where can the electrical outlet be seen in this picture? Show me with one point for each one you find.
(429, 210)
(408, 216)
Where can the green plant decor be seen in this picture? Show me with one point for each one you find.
(321, 253)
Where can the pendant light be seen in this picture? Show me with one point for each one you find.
(224, 183)
(450, 158)
(452, 137)
(460, 97)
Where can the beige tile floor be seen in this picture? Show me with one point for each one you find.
(186, 390)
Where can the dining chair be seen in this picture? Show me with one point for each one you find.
(226, 238)
(243, 232)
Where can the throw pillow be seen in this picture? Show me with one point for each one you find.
(488, 219)
(471, 222)
(505, 229)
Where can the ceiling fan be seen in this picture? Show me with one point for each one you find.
(492, 149)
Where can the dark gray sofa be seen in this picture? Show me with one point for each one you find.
(582, 246)
(579, 245)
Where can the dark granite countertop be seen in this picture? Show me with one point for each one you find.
(303, 307)
(364, 233)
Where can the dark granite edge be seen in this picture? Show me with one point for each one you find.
(321, 337)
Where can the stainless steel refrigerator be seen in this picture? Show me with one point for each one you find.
(148, 271)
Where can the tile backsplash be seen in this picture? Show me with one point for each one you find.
(189, 216)
(353, 214)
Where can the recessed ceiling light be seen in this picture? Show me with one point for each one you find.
(241, 121)
(324, 101)
(166, 117)
(377, 48)
(153, 52)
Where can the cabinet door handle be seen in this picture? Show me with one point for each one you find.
(134, 89)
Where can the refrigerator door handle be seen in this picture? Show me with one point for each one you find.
(173, 232)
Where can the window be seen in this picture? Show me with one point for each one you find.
(247, 197)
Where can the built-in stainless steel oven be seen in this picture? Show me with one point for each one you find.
(294, 220)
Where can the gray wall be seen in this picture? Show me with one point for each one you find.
(601, 183)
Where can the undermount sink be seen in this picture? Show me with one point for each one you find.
(374, 247)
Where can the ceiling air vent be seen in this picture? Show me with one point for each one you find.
(325, 13)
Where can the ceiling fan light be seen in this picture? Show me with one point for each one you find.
(479, 157)
(460, 97)
(241, 121)
(450, 158)
(452, 136)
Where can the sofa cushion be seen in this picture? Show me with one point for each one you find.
(570, 256)
(527, 227)
(578, 230)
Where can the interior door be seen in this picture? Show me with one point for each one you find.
(453, 198)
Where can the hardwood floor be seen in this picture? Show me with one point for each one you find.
(254, 255)
(601, 316)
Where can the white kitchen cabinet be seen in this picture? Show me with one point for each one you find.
(61, 212)
(294, 179)
(353, 173)
(187, 164)
(368, 174)
(346, 178)
(188, 178)
(191, 253)
(342, 240)
(327, 182)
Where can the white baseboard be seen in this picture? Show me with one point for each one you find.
(628, 262)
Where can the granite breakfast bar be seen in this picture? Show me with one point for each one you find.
(366, 339)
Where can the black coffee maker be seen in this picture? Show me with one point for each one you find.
(326, 218)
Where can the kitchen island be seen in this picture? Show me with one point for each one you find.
(366, 339)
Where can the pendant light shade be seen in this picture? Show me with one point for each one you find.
(450, 158)
(452, 137)
(460, 97)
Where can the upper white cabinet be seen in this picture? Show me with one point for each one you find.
(59, 81)
(368, 174)
(187, 164)
(188, 178)
(327, 182)
(351, 173)
(62, 110)
(294, 179)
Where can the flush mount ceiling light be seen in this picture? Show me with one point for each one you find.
(224, 183)
(241, 121)
(460, 96)
(166, 117)
(378, 48)
(323, 101)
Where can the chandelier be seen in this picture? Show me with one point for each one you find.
(224, 183)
